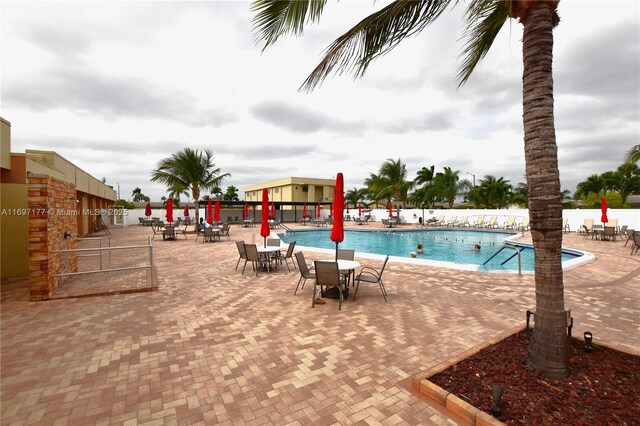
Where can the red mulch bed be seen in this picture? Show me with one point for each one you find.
(603, 386)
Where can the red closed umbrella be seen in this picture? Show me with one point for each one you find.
(147, 210)
(186, 211)
(217, 211)
(359, 210)
(169, 210)
(603, 207)
(264, 226)
(318, 210)
(304, 210)
(390, 209)
(331, 207)
(273, 210)
(209, 212)
(246, 210)
(347, 208)
(337, 232)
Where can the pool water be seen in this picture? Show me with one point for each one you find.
(455, 246)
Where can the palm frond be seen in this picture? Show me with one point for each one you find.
(375, 36)
(484, 19)
(274, 18)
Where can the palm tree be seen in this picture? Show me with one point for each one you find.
(381, 31)
(633, 155)
(593, 183)
(355, 196)
(391, 182)
(426, 195)
(231, 194)
(446, 185)
(189, 169)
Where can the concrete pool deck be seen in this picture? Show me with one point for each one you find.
(212, 346)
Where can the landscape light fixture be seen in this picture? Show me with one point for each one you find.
(588, 339)
(496, 411)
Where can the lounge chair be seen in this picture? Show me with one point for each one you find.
(613, 223)
(479, 222)
(524, 225)
(510, 223)
(464, 222)
(305, 272)
(491, 223)
(565, 225)
(372, 275)
(452, 220)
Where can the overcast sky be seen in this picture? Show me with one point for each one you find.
(116, 86)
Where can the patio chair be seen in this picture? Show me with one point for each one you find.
(305, 272)
(622, 231)
(628, 234)
(169, 233)
(586, 232)
(257, 261)
(241, 253)
(372, 275)
(199, 231)
(346, 254)
(328, 275)
(608, 233)
(209, 235)
(636, 241)
(588, 224)
(285, 257)
(224, 232)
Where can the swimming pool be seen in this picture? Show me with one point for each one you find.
(451, 246)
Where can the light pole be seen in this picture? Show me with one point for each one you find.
(118, 190)
(474, 178)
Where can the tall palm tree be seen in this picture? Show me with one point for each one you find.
(633, 155)
(391, 182)
(446, 184)
(190, 169)
(381, 31)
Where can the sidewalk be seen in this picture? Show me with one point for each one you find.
(212, 346)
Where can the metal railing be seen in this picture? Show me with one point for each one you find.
(148, 246)
(518, 251)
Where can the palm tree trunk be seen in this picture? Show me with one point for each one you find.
(548, 347)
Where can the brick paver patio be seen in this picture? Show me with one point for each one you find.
(212, 346)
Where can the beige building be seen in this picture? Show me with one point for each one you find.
(39, 191)
(293, 189)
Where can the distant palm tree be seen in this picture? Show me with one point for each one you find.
(231, 194)
(355, 196)
(190, 169)
(446, 185)
(380, 32)
(633, 155)
(391, 182)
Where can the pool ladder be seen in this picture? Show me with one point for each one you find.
(517, 253)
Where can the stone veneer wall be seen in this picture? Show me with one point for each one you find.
(52, 211)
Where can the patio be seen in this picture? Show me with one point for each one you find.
(213, 346)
